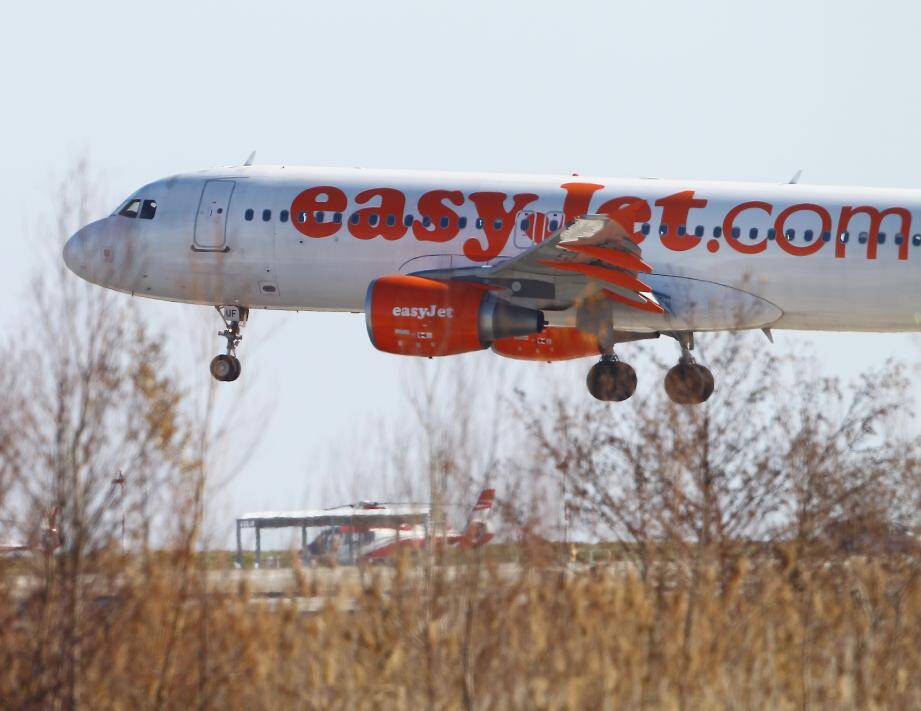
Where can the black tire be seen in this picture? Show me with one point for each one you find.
(237, 369)
(222, 368)
(689, 384)
(611, 381)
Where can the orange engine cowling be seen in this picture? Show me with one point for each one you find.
(553, 343)
(410, 315)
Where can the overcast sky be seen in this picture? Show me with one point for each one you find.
(722, 90)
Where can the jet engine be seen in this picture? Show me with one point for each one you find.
(553, 343)
(410, 315)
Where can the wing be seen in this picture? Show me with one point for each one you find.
(593, 258)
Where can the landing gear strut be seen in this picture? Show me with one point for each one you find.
(611, 380)
(688, 383)
(226, 367)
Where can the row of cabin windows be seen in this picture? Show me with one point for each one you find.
(807, 235)
(553, 225)
(145, 209)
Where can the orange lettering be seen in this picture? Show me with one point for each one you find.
(431, 205)
(784, 242)
(876, 221)
(497, 223)
(729, 225)
(675, 209)
(578, 198)
(626, 212)
(385, 220)
(321, 199)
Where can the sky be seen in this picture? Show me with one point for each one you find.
(732, 90)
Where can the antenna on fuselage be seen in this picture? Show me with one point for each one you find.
(796, 176)
(252, 157)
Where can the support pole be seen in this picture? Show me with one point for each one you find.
(351, 544)
(258, 544)
(304, 543)
(239, 546)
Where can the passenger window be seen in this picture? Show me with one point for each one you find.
(682, 230)
(524, 224)
(645, 228)
(826, 236)
(426, 220)
(148, 209)
(663, 229)
(497, 224)
(408, 220)
(845, 236)
(444, 222)
(479, 223)
(717, 232)
(772, 233)
(320, 216)
(131, 209)
(916, 240)
(391, 220)
(791, 234)
(462, 222)
(753, 233)
(248, 215)
(807, 235)
(337, 218)
(862, 238)
(881, 238)
(302, 217)
(354, 218)
(283, 215)
(699, 231)
(736, 232)
(266, 215)
(899, 238)
(554, 225)
(373, 220)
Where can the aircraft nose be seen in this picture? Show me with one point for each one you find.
(75, 253)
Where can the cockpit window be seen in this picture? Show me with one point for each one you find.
(131, 209)
(148, 209)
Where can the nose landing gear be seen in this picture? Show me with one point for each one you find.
(688, 383)
(611, 380)
(226, 367)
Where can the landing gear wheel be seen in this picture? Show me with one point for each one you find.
(689, 383)
(225, 368)
(611, 380)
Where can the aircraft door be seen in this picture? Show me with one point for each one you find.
(211, 220)
(534, 227)
(525, 223)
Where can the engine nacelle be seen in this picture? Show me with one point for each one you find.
(553, 343)
(410, 315)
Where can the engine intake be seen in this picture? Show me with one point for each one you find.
(410, 315)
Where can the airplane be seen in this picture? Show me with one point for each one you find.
(51, 538)
(540, 268)
(380, 542)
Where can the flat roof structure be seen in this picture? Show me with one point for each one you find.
(361, 514)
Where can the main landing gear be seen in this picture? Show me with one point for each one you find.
(226, 367)
(611, 380)
(688, 383)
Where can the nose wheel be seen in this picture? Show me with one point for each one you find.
(611, 380)
(226, 366)
(688, 383)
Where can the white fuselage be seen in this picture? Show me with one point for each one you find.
(827, 258)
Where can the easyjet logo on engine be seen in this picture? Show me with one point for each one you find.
(383, 214)
(424, 312)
